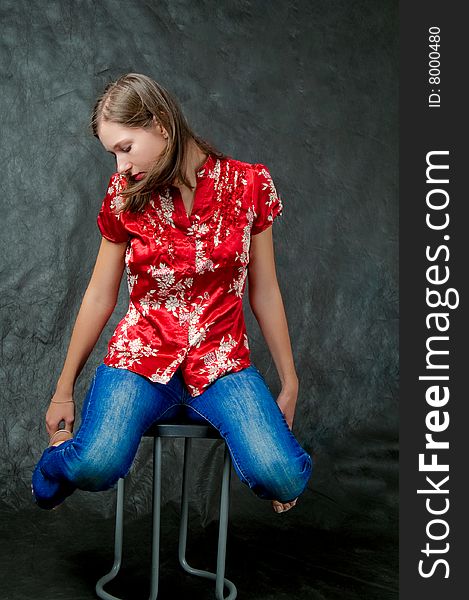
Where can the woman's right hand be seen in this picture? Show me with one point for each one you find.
(65, 411)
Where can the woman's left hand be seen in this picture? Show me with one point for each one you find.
(287, 402)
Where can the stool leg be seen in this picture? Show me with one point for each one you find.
(185, 505)
(223, 527)
(117, 545)
(155, 546)
(222, 535)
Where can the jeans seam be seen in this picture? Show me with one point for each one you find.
(163, 413)
(233, 455)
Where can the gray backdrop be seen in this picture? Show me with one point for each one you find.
(308, 88)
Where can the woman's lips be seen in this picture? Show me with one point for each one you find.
(139, 176)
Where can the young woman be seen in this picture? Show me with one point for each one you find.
(188, 224)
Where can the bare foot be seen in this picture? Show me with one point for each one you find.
(283, 506)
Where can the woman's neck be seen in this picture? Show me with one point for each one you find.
(194, 159)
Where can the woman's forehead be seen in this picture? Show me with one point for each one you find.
(113, 134)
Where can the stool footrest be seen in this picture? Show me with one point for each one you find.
(218, 577)
(209, 575)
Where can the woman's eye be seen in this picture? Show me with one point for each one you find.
(127, 149)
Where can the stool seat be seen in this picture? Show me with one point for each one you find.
(184, 430)
(188, 431)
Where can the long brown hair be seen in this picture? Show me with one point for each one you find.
(133, 100)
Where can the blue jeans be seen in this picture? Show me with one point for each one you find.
(121, 405)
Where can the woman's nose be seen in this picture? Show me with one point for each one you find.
(123, 167)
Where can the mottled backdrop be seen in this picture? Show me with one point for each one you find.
(308, 88)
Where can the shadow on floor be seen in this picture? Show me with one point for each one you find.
(55, 555)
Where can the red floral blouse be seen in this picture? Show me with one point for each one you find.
(186, 274)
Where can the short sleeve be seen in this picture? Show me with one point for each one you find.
(267, 204)
(109, 221)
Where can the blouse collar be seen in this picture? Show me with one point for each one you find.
(206, 168)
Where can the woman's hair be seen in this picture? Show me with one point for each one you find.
(133, 100)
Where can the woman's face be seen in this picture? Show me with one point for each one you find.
(135, 149)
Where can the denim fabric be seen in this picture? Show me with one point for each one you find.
(121, 405)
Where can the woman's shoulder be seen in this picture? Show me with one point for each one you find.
(250, 169)
(235, 162)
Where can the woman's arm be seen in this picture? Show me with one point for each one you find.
(266, 303)
(97, 306)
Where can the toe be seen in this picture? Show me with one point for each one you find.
(280, 507)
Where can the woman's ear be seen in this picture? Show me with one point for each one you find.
(160, 127)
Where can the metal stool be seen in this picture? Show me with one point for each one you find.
(187, 431)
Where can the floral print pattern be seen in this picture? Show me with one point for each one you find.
(186, 274)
